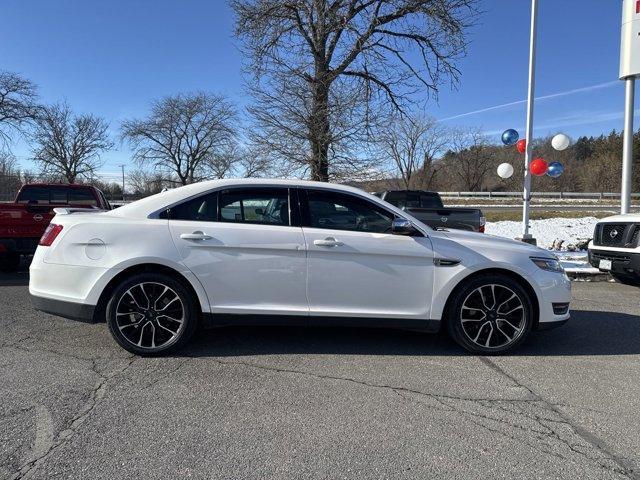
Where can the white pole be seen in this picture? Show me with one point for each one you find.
(526, 236)
(627, 148)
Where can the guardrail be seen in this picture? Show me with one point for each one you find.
(560, 195)
(518, 195)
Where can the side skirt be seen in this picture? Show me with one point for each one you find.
(212, 320)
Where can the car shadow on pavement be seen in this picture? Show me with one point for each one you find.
(587, 333)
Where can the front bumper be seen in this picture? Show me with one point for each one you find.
(554, 298)
(551, 325)
(621, 261)
(61, 308)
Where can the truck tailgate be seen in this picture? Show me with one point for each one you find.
(19, 220)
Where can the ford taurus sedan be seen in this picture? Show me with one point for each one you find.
(230, 252)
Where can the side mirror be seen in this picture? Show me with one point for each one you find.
(402, 226)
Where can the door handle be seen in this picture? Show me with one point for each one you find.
(328, 242)
(195, 236)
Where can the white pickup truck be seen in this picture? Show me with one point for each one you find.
(616, 247)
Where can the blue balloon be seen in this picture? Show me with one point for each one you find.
(555, 169)
(510, 137)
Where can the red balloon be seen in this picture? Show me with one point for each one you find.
(538, 167)
(521, 145)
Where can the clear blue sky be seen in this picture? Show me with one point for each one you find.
(112, 57)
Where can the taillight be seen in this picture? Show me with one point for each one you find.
(50, 234)
(483, 222)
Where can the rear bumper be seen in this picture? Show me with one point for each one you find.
(61, 308)
(20, 245)
(621, 261)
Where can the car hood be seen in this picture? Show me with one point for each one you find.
(626, 217)
(481, 242)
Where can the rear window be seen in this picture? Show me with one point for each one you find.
(81, 196)
(57, 195)
(414, 199)
(34, 195)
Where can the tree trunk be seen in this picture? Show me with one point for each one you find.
(319, 132)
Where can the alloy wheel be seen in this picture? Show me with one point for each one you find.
(493, 316)
(150, 315)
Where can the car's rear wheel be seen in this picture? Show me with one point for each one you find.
(490, 314)
(633, 280)
(151, 314)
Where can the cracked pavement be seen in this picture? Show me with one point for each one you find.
(284, 403)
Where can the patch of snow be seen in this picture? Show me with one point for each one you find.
(583, 269)
(547, 231)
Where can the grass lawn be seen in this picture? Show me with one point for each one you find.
(448, 201)
(497, 216)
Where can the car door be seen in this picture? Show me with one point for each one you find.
(242, 246)
(356, 266)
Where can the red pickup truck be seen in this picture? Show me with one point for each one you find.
(23, 222)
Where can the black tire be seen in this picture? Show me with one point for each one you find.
(9, 262)
(132, 312)
(633, 280)
(478, 320)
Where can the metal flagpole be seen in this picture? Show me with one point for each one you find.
(122, 166)
(629, 70)
(627, 147)
(526, 236)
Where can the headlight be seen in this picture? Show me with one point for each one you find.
(548, 264)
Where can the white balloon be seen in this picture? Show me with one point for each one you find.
(560, 142)
(505, 170)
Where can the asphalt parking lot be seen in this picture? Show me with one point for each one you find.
(321, 403)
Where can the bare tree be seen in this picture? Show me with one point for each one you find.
(18, 103)
(470, 159)
(68, 145)
(255, 164)
(143, 183)
(281, 112)
(326, 47)
(185, 135)
(10, 180)
(412, 143)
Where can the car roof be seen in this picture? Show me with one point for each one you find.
(146, 206)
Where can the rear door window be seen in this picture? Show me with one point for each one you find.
(200, 209)
(266, 206)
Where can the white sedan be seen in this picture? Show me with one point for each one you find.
(230, 252)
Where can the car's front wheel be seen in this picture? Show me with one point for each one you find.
(151, 314)
(490, 314)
